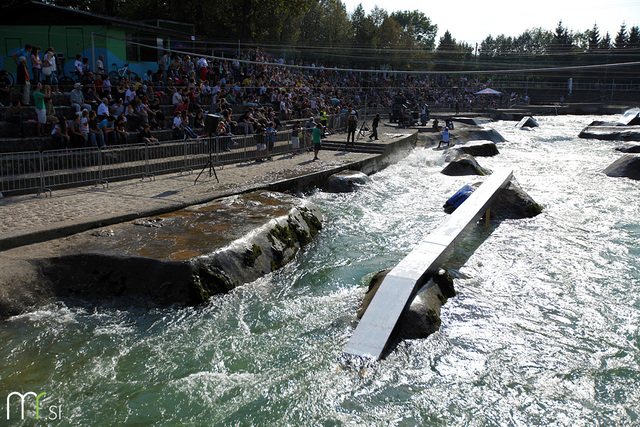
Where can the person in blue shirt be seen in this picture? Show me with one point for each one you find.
(108, 128)
(446, 138)
(270, 131)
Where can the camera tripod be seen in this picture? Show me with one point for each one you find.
(212, 169)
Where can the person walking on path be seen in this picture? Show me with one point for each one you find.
(374, 125)
(317, 137)
(352, 125)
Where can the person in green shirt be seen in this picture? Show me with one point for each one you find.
(41, 109)
(317, 135)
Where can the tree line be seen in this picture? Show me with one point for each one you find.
(322, 31)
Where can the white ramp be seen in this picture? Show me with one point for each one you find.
(374, 331)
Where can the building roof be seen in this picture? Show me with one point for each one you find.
(36, 13)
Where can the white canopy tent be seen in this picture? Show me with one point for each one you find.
(487, 91)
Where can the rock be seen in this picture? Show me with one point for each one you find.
(200, 251)
(608, 132)
(346, 181)
(478, 149)
(527, 122)
(464, 165)
(629, 149)
(627, 166)
(422, 317)
(148, 222)
(486, 135)
(514, 203)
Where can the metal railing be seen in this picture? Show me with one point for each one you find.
(41, 172)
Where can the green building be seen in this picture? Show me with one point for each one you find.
(71, 32)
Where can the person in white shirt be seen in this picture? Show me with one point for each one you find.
(103, 109)
(129, 95)
(100, 66)
(176, 99)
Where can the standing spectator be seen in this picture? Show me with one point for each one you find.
(77, 67)
(26, 51)
(36, 64)
(317, 136)
(352, 124)
(5, 88)
(374, 125)
(14, 115)
(41, 109)
(295, 137)
(106, 86)
(77, 98)
(271, 139)
(49, 70)
(23, 80)
(100, 69)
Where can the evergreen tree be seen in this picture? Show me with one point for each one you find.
(634, 38)
(605, 42)
(622, 38)
(594, 38)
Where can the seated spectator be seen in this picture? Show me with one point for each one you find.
(178, 131)
(158, 114)
(121, 130)
(118, 108)
(108, 127)
(103, 109)
(146, 135)
(96, 136)
(77, 98)
(60, 135)
(50, 111)
(14, 116)
(75, 130)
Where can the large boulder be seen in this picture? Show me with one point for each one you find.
(627, 166)
(512, 202)
(182, 257)
(464, 165)
(486, 135)
(610, 132)
(422, 317)
(478, 149)
(346, 181)
(629, 149)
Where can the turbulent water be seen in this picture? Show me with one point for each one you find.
(544, 330)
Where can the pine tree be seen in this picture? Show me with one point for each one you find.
(605, 42)
(622, 38)
(634, 38)
(594, 38)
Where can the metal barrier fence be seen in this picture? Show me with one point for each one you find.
(41, 172)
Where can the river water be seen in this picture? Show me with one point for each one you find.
(544, 330)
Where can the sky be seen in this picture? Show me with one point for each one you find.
(472, 21)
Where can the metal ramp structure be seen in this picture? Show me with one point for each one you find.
(373, 333)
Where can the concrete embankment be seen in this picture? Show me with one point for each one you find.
(177, 253)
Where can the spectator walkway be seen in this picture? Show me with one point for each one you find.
(30, 218)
